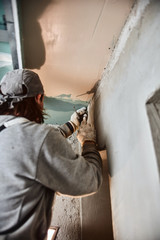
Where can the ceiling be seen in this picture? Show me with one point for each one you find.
(69, 42)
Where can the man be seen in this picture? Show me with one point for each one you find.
(36, 160)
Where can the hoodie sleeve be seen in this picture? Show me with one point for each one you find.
(62, 170)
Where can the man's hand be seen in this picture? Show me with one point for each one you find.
(71, 126)
(77, 117)
(86, 133)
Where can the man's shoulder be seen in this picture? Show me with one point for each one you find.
(40, 130)
(40, 127)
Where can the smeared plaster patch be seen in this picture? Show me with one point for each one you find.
(92, 90)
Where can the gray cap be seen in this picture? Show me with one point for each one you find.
(12, 85)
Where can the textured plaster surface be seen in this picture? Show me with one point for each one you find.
(66, 215)
(123, 127)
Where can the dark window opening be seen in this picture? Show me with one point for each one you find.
(153, 110)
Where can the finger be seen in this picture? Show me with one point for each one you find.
(81, 110)
(84, 121)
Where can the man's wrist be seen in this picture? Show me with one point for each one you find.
(89, 142)
(70, 126)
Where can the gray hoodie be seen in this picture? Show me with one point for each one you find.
(35, 162)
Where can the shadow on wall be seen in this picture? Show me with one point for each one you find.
(32, 44)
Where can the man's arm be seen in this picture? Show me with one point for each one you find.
(62, 170)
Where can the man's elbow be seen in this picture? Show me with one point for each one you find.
(94, 185)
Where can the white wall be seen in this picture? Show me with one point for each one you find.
(123, 126)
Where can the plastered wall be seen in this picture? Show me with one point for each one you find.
(124, 128)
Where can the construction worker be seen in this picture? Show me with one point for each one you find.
(36, 160)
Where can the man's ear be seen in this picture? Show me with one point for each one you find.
(39, 98)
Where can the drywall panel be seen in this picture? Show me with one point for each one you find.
(60, 109)
(123, 127)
